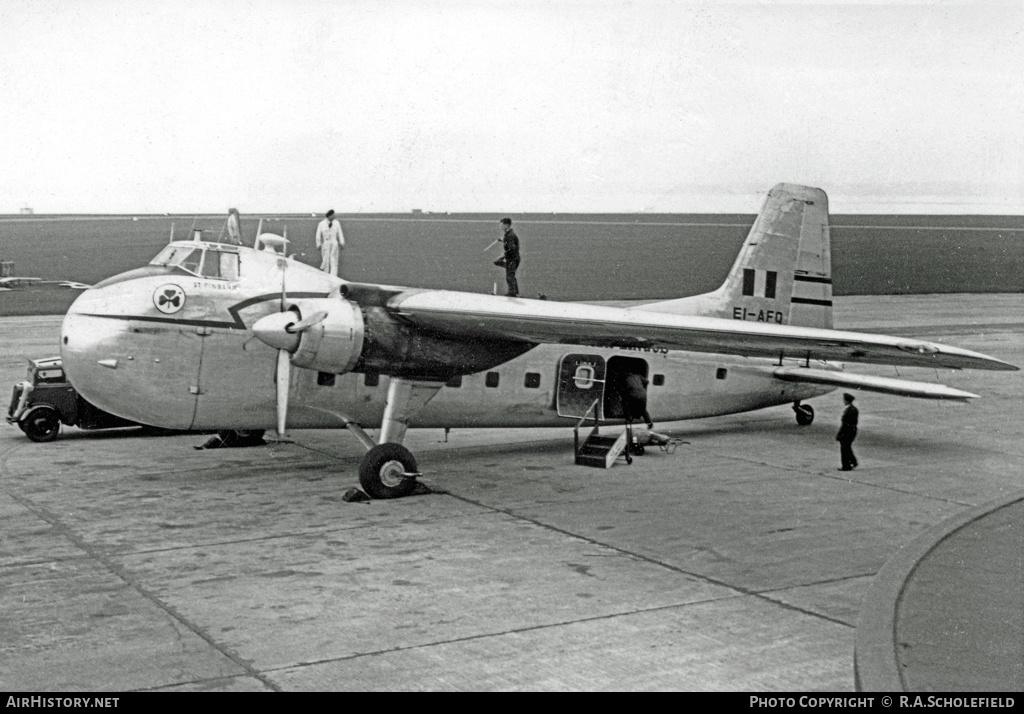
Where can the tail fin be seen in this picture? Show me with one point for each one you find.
(783, 273)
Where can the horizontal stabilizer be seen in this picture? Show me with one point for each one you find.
(885, 385)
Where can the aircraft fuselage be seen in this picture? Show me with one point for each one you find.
(182, 347)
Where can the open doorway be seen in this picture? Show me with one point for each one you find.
(625, 395)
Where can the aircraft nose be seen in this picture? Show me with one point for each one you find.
(120, 360)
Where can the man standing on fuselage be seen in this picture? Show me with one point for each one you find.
(510, 260)
(330, 241)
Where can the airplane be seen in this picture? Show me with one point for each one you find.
(208, 336)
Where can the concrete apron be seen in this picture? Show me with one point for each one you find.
(737, 563)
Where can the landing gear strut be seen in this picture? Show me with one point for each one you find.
(389, 470)
(804, 414)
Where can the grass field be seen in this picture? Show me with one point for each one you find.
(565, 256)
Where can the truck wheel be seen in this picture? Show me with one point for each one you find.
(382, 472)
(41, 424)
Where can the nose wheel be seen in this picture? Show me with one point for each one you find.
(388, 471)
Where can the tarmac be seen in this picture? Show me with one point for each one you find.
(743, 561)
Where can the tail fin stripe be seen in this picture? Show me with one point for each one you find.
(749, 276)
(808, 301)
(812, 279)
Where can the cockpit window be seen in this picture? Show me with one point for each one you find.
(192, 261)
(202, 261)
(174, 254)
(229, 266)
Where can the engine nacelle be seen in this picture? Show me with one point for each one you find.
(336, 342)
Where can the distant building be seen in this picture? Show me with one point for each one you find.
(417, 210)
(26, 210)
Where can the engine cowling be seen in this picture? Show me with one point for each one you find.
(335, 343)
(337, 335)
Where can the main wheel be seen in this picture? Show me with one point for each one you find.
(41, 424)
(382, 474)
(804, 414)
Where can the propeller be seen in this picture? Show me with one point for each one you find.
(280, 330)
(283, 331)
(284, 364)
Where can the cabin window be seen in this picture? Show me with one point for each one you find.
(455, 382)
(658, 380)
(325, 379)
(532, 380)
(492, 379)
(721, 373)
(584, 376)
(371, 379)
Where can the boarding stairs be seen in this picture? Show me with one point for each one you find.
(598, 450)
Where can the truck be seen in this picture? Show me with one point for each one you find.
(47, 399)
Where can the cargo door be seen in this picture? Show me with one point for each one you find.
(581, 380)
(237, 382)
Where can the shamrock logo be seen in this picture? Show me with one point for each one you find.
(168, 299)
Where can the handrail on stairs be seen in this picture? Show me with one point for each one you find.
(576, 429)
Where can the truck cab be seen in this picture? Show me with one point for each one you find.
(46, 399)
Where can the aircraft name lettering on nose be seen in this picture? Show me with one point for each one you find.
(657, 350)
(215, 286)
(742, 313)
(169, 298)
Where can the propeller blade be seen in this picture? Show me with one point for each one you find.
(284, 368)
(284, 296)
(315, 319)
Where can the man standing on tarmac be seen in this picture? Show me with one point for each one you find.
(510, 260)
(847, 433)
(330, 241)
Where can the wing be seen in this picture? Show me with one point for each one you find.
(491, 317)
(885, 385)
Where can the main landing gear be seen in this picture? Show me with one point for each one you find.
(389, 470)
(804, 414)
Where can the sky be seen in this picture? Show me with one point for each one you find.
(148, 106)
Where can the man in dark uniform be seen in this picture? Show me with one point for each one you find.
(847, 433)
(510, 260)
(634, 398)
